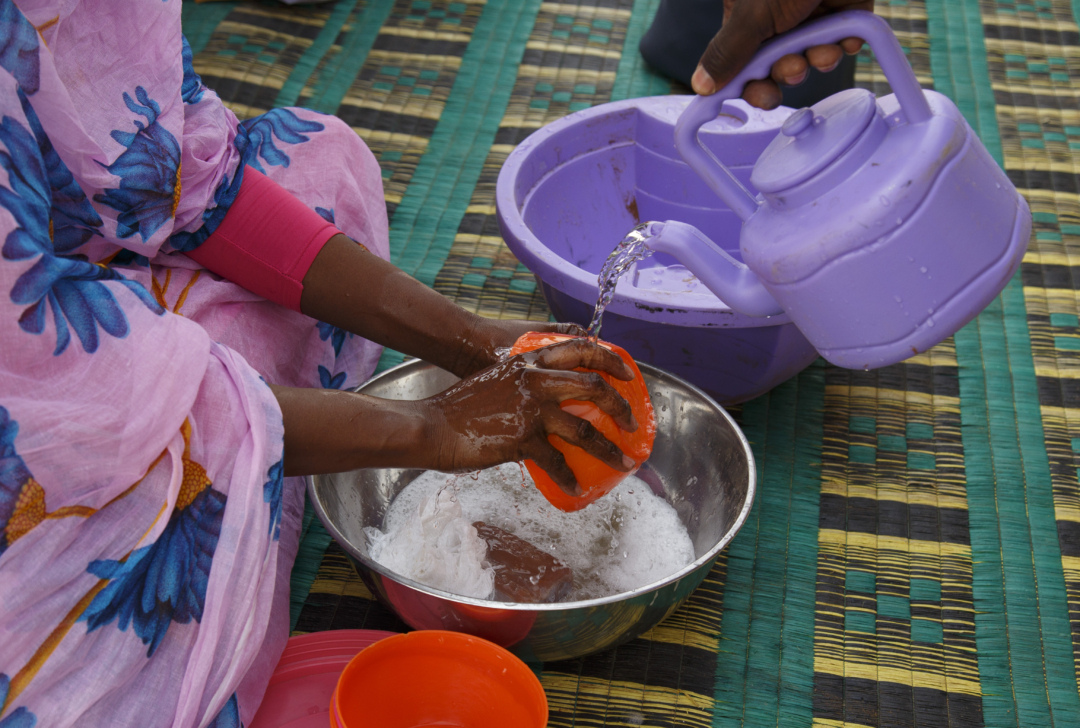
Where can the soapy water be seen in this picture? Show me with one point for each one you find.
(632, 249)
(437, 546)
(613, 546)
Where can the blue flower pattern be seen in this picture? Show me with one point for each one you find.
(164, 582)
(149, 172)
(19, 47)
(254, 138)
(127, 257)
(70, 284)
(191, 90)
(328, 381)
(272, 495)
(73, 219)
(13, 476)
(18, 718)
(335, 334)
(228, 717)
(224, 196)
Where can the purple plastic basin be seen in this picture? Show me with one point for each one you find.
(570, 192)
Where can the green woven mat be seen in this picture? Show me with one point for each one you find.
(919, 564)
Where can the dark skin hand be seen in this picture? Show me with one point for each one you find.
(502, 411)
(477, 430)
(748, 24)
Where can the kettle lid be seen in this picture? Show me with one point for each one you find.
(812, 138)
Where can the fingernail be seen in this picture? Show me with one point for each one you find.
(795, 80)
(628, 462)
(827, 69)
(702, 82)
(628, 370)
(633, 422)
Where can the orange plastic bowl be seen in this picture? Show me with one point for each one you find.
(436, 678)
(596, 478)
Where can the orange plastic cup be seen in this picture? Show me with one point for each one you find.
(436, 678)
(596, 478)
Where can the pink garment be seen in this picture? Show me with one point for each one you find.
(146, 532)
(267, 241)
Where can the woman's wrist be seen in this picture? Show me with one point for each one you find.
(480, 345)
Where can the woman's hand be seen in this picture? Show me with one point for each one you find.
(501, 414)
(506, 412)
(748, 24)
(491, 337)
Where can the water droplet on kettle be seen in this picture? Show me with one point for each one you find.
(998, 185)
(930, 323)
(899, 221)
(922, 269)
(930, 310)
(898, 299)
(884, 200)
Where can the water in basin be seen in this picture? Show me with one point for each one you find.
(628, 539)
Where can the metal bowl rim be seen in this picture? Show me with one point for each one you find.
(707, 558)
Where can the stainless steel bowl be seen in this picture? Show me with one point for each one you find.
(701, 464)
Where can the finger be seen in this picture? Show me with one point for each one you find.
(790, 70)
(568, 329)
(825, 57)
(732, 48)
(585, 387)
(763, 94)
(583, 353)
(852, 46)
(554, 464)
(577, 431)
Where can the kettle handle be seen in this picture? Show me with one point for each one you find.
(830, 29)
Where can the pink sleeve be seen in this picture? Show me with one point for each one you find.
(267, 241)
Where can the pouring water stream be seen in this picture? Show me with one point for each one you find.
(632, 249)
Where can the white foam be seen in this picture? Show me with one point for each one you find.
(625, 540)
(436, 546)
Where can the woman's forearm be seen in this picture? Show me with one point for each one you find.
(350, 288)
(327, 431)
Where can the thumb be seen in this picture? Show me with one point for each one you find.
(744, 30)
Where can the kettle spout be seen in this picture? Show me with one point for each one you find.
(731, 281)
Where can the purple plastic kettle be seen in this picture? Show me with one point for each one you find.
(882, 225)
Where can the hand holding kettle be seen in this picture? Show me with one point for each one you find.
(749, 23)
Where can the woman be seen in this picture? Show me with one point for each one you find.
(151, 411)
(181, 298)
